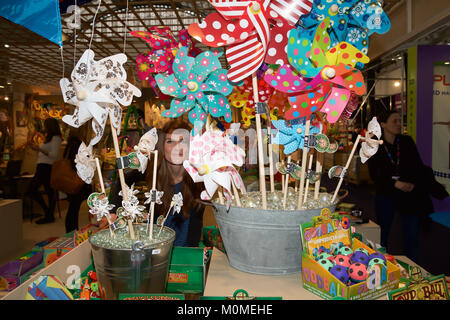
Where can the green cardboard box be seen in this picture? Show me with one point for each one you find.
(187, 270)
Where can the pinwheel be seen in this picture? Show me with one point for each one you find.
(176, 204)
(131, 206)
(370, 146)
(98, 88)
(145, 146)
(292, 137)
(212, 157)
(254, 31)
(101, 207)
(352, 21)
(198, 85)
(155, 197)
(333, 75)
(164, 47)
(85, 163)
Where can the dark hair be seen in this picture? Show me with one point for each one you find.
(384, 116)
(51, 127)
(165, 180)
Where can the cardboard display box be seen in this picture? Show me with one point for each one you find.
(328, 231)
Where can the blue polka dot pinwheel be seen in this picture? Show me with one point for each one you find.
(199, 85)
(319, 77)
(352, 21)
(292, 137)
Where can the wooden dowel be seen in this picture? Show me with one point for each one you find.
(152, 203)
(286, 186)
(123, 185)
(304, 158)
(262, 179)
(319, 164)
(349, 160)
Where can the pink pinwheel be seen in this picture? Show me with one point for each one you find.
(323, 78)
(255, 31)
(164, 48)
(212, 157)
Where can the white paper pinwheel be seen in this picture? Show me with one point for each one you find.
(131, 205)
(101, 208)
(98, 88)
(212, 157)
(145, 146)
(370, 146)
(158, 196)
(85, 163)
(177, 202)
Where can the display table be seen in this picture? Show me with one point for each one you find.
(224, 280)
(10, 226)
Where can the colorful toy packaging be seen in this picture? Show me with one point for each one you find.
(53, 251)
(335, 265)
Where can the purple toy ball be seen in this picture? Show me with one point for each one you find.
(340, 273)
(378, 256)
(359, 256)
(357, 272)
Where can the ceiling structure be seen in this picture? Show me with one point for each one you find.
(34, 60)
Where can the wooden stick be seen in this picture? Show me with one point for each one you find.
(287, 184)
(307, 180)
(152, 203)
(304, 159)
(102, 187)
(121, 175)
(236, 193)
(262, 179)
(100, 176)
(219, 192)
(270, 147)
(349, 160)
(165, 218)
(319, 164)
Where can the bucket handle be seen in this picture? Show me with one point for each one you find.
(344, 195)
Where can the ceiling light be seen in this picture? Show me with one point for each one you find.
(6, 45)
(6, 98)
(397, 83)
(448, 62)
(9, 82)
(1, 87)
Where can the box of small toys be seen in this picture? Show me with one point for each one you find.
(337, 266)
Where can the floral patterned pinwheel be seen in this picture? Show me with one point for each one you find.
(370, 146)
(198, 85)
(145, 146)
(323, 78)
(101, 207)
(177, 202)
(292, 137)
(254, 31)
(352, 21)
(212, 157)
(98, 88)
(85, 163)
(164, 47)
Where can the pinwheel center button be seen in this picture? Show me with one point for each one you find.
(193, 86)
(204, 169)
(81, 94)
(334, 8)
(299, 130)
(256, 7)
(330, 73)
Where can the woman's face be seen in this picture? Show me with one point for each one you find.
(393, 125)
(176, 148)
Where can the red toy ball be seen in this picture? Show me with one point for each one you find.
(357, 272)
(342, 260)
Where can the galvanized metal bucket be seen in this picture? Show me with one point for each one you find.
(263, 241)
(136, 270)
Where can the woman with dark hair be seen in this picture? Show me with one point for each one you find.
(48, 153)
(398, 172)
(75, 200)
(173, 147)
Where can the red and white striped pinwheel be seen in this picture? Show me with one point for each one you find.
(255, 31)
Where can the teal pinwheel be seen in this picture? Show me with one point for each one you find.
(199, 85)
(293, 136)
